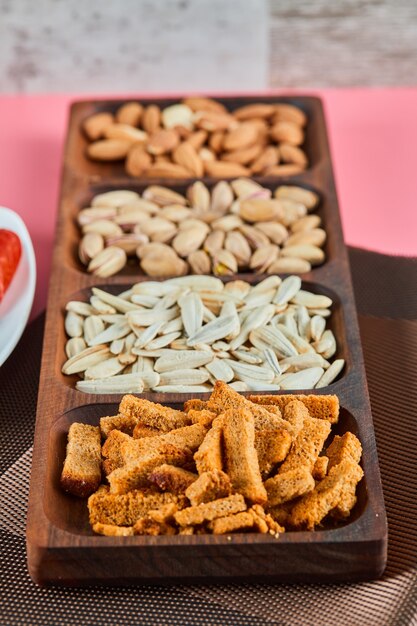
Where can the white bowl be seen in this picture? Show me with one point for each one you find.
(17, 302)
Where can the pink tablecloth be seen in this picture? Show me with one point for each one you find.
(373, 136)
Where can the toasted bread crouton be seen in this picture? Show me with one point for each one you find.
(187, 437)
(223, 398)
(295, 412)
(171, 478)
(135, 474)
(151, 414)
(120, 422)
(109, 530)
(126, 509)
(195, 405)
(141, 431)
(81, 474)
(320, 407)
(148, 526)
(312, 508)
(290, 485)
(345, 447)
(209, 456)
(264, 523)
(187, 530)
(272, 446)
(281, 513)
(208, 511)
(165, 513)
(232, 523)
(307, 446)
(112, 450)
(320, 468)
(240, 454)
(203, 417)
(209, 486)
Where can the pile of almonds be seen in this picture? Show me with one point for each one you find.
(199, 136)
(235, 226)
(183, 334)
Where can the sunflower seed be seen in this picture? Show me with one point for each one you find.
(192, 313)
(74, 346)
(117, 346)
(272, 361)
(127, 383)
(74, 324)
(174, 359)
(101, 307)
(217, 329)
(257, 317)
(311, 300)
(220, 370)
(275, 338)
(93, 325)
(178, 376)
(317, 326)
(331, 374)
(303, 361)
(147, 318)
(239, 385)
(172, 326)
(115, 331)
(105, 369)
(148, 334)
(162, 341)
(305, 379)
(81, 308)
(248, 373)
(287, 290)
(247, 356)
(300, 344)
(118, 303)
(326, 346)
(182, 388)
(85, 359)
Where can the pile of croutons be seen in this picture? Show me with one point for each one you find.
(229, 464)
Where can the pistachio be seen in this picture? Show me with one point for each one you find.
(199, 262)
(224, 263)
(108, 262)
(90, 245)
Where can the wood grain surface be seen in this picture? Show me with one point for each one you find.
(62, 549)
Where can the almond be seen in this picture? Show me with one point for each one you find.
(241, 137)
(208, 120)
(243, 156)
(290, 113)
(167, 170)
(200, 103)
(254, 110)
(292, 154)
(129, 113)
(221, 169)
(289, 169)
(138, 160)
(124, 131)
(287, 132)
(216, 141)
(197, 139)
(151, 118)
(95, 125)
(186, 155)
(162, 141)
(268, 158)
(109, 149)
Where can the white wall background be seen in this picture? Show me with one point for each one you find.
(107, 46)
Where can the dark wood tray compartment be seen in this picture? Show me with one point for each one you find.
(61, 547)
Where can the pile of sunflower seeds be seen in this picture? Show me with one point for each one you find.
(183, 334)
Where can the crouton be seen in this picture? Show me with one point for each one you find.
(148, 526)
(295, 412)
(120, 422)
(319, 407)
(209, 486)
(307, 446)
(203, 417)
(208, 511)
(195, 405)
(312, 508)
(112, 450)
(345, 447)
(264, 523)
(141, 430)
(81, 474)
(320, 468)
(290, 485)
(240, 454)
(126, 509)
(151, 414)
(209, 456)
(232, 523)
(171, 478)
(272, 446)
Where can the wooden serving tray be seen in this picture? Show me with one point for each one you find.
(62, 549)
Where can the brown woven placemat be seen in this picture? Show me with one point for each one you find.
(387, 304)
